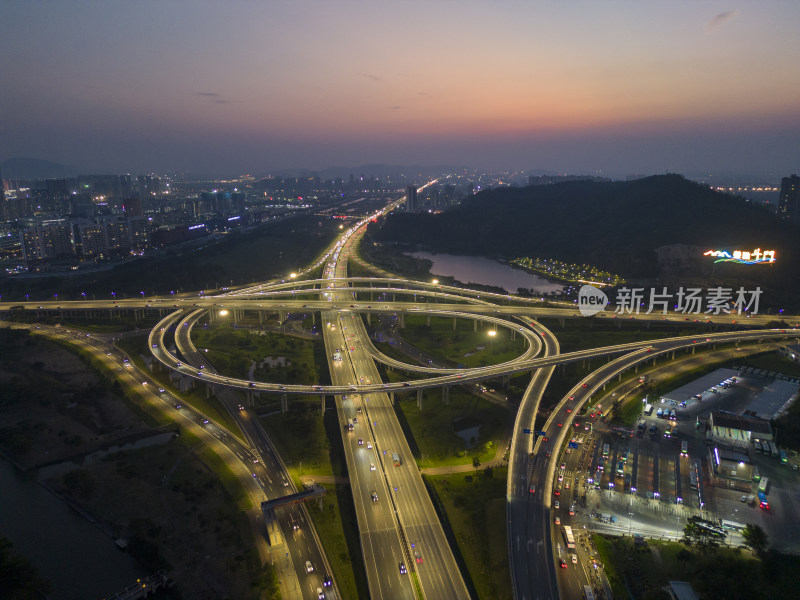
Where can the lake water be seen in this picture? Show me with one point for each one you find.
(478, 269)
(81, 562)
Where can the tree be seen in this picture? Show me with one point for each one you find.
(702, 534)
(476, 462)
(756, 539)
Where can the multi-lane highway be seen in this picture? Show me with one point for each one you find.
(405, 551)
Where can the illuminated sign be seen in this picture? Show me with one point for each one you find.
(756, 257)
(233, 218)
(197, 226)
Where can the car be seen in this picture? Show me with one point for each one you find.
(572, 511)
(360, 442)
(369, 445)
(327, 581)
(403, 569)
(355, 419)
(569, 410)
(566, 485)
(545, 439)
(309, 567)
(532, 489)
(371, 466)
(574, 558)
(547, 454)
(585, 385)
(743, 499)
(556, 504)
(561, 478)
(178, 406)
(557, 492)
(563, 465)
(374, 495)
(558, 521)
(320, 594)
(358, 410)
(562, 563)
(418, 557)
(161, 390)
(205, 421)
(560, 424)
(144, 383)
(241, 407)
(285, 483)
(568, 451)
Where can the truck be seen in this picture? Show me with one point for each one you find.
(648, 409)
(396, 459)
(773, 450)
(337, 355)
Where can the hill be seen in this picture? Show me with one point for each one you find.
(653, 230)
(34, 168)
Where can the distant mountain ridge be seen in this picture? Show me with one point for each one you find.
(651, 229)
(35, 168)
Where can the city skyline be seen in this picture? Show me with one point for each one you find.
(599, 88)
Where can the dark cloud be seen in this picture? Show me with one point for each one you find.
(720, 19)
(371, 77)
(395, 107)
(208, 94)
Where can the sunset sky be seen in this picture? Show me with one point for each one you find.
(597, 86)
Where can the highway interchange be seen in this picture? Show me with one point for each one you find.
(405, 551)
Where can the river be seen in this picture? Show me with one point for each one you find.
(81, 562)
(478, 269)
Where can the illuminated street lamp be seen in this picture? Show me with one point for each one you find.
(492, 334)
(223, 313)
(292, 275)
(435, 281)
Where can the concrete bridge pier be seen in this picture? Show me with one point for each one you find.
(261, 317)
(322, 403)
(475, 325)
(419, 398)
(369, 318)
(562, 321)
(281, 316)
(402, 319)
(391, 398)
(428, 321)
(693, 347)
(284, 403)
(209, 390)
(672, 356)
(454, 323)
(446, 394)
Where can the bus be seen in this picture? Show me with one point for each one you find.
(782, 454)
(588, 594)
(763, 485)
(568, 537)
(621, 468)
(648, 409)
(684, 448)
(605, 449)
(693, 479)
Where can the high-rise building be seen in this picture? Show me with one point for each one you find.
(40, 244)
(789, 199)
(411, 198)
